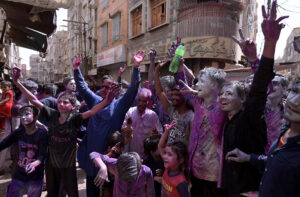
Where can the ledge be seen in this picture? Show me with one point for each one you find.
(135, 36)
(157, 27)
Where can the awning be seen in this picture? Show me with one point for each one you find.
(52, 4)
(19, 14)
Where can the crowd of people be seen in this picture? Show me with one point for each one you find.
(176, 135)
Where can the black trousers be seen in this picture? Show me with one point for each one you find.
(56, 176)
(91, 189)
(202, 188)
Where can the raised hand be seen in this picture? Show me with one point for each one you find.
(237, 156)
(77, 62)
(168, 127)
(152, 55)
(138, 58)
(271, 27)
(122, 69)
(186, 89)
(112, 93)
(248, 47)
(16, 73)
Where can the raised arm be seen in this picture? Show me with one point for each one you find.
(158, 88)
(33, 100)
(164, 137)
(257, 97)
(113, 92)
(89, 96)
(152, 55)
(124, 103)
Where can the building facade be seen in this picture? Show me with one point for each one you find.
(55, 67)
(113, 37)
(205, 26)
(9, 52)
(82, 34)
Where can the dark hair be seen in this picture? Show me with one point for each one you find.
(240, 87)
(67, 80)
(114, 138)
(6, 83)
(150, 144)
(32, 108)
(29, 84)
(70, 96)
(181, 151)
(129, 165)
(50, 89)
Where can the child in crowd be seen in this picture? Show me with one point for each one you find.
(131, 177)
(175, 157)
(62, 132)
(6, 102)
(154, 161)
(115, 144)
(32, 144)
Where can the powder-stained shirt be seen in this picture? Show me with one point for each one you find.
(62, 137)
(206, 160)
(143, 126)
(143, 186)
(274, 122)
(174, 185)
(184, 122)
(30, 148)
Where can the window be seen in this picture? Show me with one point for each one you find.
(95, 47)
(158, 12)
(104, 34)
(136, 17)
(104, 4)
(116, 25)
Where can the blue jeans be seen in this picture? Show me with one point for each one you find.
(18, 188)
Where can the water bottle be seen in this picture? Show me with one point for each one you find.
(176, 59)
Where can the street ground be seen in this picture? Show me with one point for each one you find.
(6, 178)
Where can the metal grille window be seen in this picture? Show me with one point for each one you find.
(136, 17)
(104, 35)
(104, 4)
(116, 23)
(158, 12)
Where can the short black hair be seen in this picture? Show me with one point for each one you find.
(50, 89)
(67, 80)
(114, 138)
(32, 108)
(151, 144)
(70, 96)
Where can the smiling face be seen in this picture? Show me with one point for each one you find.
(170, 158)
(177, 98)
(230, 100)
(292, 106)
(205, 86)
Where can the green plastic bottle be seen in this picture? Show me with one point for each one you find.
(176, 59)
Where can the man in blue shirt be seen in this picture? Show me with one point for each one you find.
(105, 121)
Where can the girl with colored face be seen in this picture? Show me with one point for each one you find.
(175, 157)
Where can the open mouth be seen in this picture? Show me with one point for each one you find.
(292, 110)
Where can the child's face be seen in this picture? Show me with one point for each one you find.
(170, 158)
(64, 105)
(26, 117)
(277, 89)
(4, 87)
(204, 86)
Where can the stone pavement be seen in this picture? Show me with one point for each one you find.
(6, 178)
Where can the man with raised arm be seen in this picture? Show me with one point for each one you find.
(104, 122)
